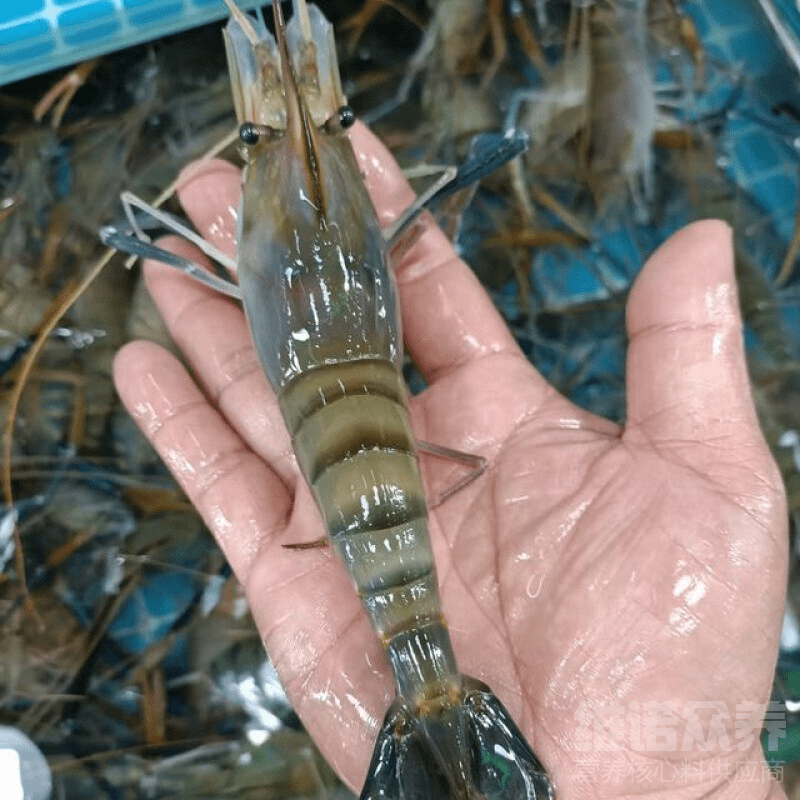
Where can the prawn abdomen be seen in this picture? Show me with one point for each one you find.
(351, 434)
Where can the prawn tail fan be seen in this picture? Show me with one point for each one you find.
(470, 751)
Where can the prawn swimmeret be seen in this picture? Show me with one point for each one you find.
(322, 308)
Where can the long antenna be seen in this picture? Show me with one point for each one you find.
(244, 22)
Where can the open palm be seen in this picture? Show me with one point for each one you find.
(591, 572)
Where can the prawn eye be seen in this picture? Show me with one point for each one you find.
(249, 134)
(346, 116)
(341, 120)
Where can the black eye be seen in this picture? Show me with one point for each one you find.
(249, 134)
(346, 116)
(341, 120)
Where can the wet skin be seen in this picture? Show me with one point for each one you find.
(592, 564)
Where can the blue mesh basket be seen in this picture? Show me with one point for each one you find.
(40, 35)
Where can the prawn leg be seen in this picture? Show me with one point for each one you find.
(323, 541)
(133, 239)
(488, 152)
(791, 254)
(61, 93)
(477, 465)
(413, 68)
(529, 42)
(131, 201)
(136, 243)
(498, 37)
(395, 231)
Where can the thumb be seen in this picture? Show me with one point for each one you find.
(687, 381)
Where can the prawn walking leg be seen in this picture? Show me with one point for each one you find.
(134, 241)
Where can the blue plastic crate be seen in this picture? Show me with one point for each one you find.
(39, 35)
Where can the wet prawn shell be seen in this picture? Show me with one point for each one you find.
(314, 294)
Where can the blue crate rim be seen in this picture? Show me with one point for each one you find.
(126, 34)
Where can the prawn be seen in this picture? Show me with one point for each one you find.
(320, 299)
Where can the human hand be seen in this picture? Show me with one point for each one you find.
(590, 569)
